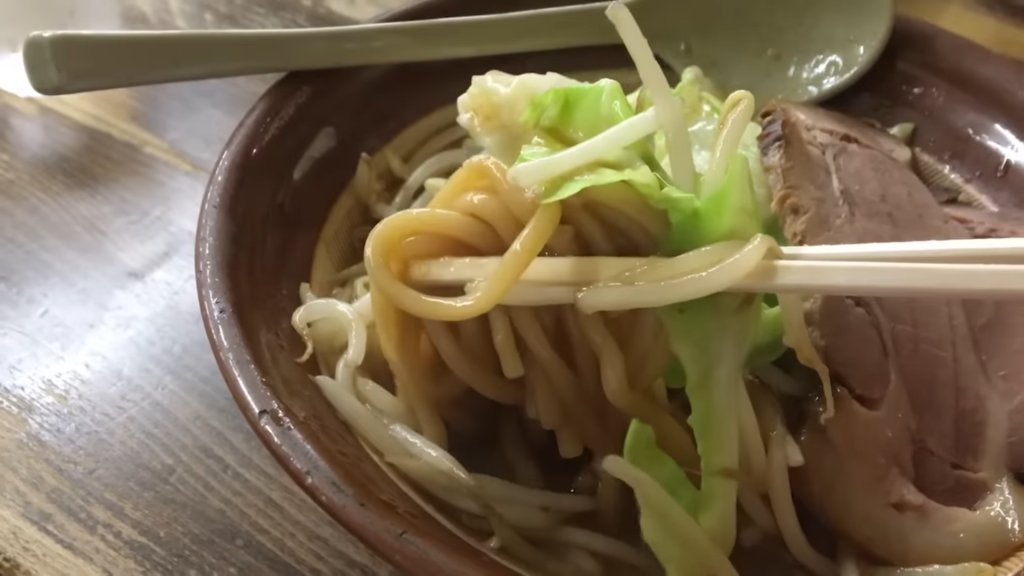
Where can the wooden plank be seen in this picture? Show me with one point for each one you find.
(123, 452)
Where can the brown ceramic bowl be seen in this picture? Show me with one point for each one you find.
(264, 211)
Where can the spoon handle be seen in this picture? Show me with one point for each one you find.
(67, 62)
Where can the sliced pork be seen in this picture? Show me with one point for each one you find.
(914, 465)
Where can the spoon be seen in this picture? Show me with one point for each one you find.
(802, 50)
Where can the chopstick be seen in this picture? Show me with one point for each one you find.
(978, 251)
(943, 268)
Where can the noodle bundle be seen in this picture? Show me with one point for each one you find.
(479, 212)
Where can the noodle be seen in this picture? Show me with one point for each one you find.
(411, 372)
(489, 209)
(588, 227)
(785, 513)
(799, 339)
(515, 260)
(671, 435)
(468, 369)
(505, 537)
(659, 294)
(438, 164)
(364, 307)
(569, 444)
(369, 188)
(779, 460)
(736, 114)
(504, 341)
(348, 274)
(548, 412)
(599, 544)
(779, 381)
(630, 235)
(583, 560)
(587, 370)
(371, 394)
(498, 490)
(397, 165)
(647, 349)
(666, 108)
(758, 511)
(561, 379)
(438, 143)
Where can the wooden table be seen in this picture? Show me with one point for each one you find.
(121, 451)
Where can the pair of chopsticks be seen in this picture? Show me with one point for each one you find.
(983, 269)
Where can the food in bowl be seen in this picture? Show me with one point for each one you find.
(655, 422)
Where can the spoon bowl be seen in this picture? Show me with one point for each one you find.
(795, 49)
(800, 50)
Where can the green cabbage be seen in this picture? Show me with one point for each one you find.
(713, 338)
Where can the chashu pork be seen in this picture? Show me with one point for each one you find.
(914, 466)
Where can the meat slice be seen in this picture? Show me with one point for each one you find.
(999, 327)
(915, 457)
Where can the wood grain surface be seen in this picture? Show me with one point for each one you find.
(121, 451)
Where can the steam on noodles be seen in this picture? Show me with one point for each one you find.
(535, 424)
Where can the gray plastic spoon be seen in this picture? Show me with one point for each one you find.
(796, 49)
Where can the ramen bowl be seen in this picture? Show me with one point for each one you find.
(280, 210)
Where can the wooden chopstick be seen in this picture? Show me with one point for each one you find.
(978, 251)
(946, 268)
